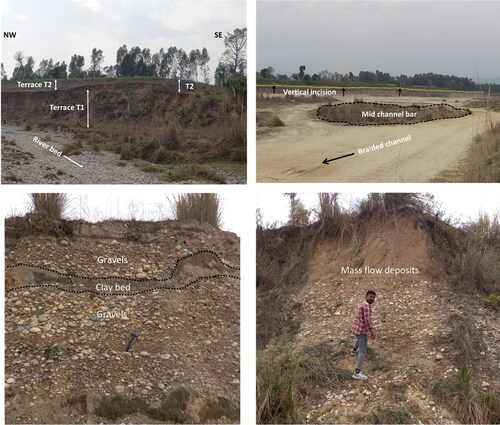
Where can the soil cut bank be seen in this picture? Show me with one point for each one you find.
(183, 366)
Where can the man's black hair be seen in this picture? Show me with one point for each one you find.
(370, 292)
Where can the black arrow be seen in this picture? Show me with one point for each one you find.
(327, 161)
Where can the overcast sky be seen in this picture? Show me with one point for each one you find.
(145, 204)
(62, 28)
(275, 208)
(398, 37)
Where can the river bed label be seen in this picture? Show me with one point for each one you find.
(44, 145)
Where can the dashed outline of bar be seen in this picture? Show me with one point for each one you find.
(392, 104)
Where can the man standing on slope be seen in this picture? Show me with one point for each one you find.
(361, 326)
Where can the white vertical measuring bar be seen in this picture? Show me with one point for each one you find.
(87, 109)
(179, 82)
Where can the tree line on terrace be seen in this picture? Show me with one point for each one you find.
(141, 62)
(429, 79)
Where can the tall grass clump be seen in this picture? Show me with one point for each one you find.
(46, 211)
(466, 399)
(482, 163)
(470, 404)
(51, 206)
(203, 207)
(464, 395)
(389, 203)
(465, 335)
(276, 388)
(234, 142)
(333, 220)
(473, 407)
(478, 269)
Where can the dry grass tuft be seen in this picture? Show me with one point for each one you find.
(46, 213)
(74, 148)
(269, 119)
(482, 164)
(277, 388)
(466, 337)
(203, 207)
(51, 206)
(464, 396)
(477, 269)
(195, 172)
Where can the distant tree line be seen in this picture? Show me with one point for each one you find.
(141, 62)
(450, 82)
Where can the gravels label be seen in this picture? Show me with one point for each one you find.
(112, 260)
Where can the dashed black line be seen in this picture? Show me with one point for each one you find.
(468, 112)
(167, 287)
(179, 260)
(144, 291)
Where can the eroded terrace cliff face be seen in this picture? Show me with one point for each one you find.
(118, 101)
(423, 322)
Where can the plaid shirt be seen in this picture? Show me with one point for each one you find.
(363, 320)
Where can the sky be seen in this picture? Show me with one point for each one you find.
(398, 37)
(62, 28)
(143, 204)
(275, 208)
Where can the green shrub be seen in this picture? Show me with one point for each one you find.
(127, 151)
(392, 416)
(51, 351)
(465, 398)
(492, 300)
(160, 155)
(478, 270)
